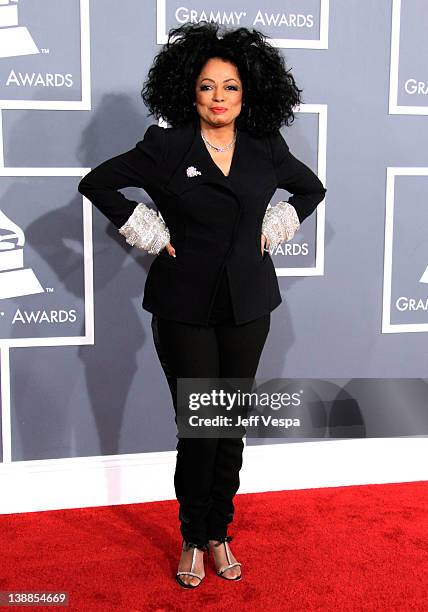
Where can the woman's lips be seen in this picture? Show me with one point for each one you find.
(217, 109)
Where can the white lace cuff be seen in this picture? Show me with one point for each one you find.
(280, 223)
(146, 230)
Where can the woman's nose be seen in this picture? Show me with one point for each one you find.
(218, 96)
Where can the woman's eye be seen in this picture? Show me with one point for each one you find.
(205, 87)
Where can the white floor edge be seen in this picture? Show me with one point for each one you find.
(29, 486)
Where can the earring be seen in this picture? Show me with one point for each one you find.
(194, 103)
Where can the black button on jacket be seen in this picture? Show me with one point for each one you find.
(214, 220)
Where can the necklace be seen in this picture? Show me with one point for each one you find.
(220, 149)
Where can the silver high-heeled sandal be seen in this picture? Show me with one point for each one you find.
(221, 571)
(187, 546)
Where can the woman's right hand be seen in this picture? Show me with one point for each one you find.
(170, 249)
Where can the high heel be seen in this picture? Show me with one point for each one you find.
(187, 546)
(224, 540)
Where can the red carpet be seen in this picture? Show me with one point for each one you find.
(349, 548)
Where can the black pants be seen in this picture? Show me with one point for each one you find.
(207, 469)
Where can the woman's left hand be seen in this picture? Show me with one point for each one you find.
(262, 242)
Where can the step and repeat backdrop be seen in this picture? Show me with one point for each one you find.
(79, 372)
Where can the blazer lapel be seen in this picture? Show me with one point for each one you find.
(196, 166)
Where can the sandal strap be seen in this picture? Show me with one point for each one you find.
(224, 540)
(187, 546)
(223, 569)
(190, 574)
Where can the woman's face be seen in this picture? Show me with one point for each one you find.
(218, 93)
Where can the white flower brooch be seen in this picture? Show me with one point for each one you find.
(191, 171)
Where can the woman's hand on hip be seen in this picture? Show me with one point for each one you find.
(170, 249)
(262, 242)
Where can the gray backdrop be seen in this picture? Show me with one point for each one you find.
(111, 397)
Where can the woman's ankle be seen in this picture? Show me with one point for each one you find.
(187, 544)
(220, 539)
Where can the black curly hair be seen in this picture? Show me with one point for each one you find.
(269, 89)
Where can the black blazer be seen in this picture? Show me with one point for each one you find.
(214, 220)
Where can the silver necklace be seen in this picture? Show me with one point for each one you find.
(220, 149)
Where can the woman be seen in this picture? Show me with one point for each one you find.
(212, 286)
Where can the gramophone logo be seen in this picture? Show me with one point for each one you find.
(15, 279)
(405, 269)
(14, 39)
